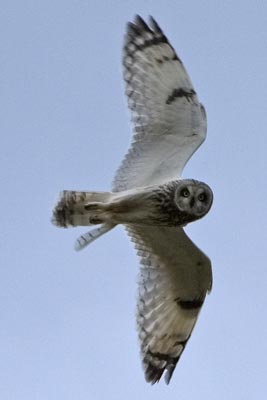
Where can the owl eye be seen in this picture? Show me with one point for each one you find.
(202, 197)
(185, 193)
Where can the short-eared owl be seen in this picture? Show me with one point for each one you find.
(152, 201)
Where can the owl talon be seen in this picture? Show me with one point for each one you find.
(91, 206)
(95, 220)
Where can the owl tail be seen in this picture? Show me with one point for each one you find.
(82, 209)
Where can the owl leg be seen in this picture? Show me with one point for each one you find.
(96, 213)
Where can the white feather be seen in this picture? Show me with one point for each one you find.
(88, 237)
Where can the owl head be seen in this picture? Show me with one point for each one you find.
(193, 198)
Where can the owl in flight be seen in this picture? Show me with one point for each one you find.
(151, 200)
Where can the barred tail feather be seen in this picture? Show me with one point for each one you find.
(70, 209)
(87, 238)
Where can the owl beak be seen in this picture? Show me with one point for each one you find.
(192, 202)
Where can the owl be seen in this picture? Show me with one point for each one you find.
(152, 201)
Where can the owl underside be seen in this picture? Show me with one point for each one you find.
(146, 206)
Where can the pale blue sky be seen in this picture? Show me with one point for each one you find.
(67, 319)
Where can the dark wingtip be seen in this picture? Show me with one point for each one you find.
(168, 374)
(153, 374)
(142, 24)
(139, 25)
(155, 25)
(132, 29)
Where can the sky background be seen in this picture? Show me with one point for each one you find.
(68, 319)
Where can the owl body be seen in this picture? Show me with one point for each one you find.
(175, 203)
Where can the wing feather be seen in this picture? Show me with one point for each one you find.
(169, 122)
(174, 279)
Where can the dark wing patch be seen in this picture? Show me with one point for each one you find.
(188, 94)
(190, 304)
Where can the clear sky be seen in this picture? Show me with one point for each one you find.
(67, 319)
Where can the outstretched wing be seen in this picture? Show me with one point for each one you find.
(174, 279)
(169, 122)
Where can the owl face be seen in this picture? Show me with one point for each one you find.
(193, 197)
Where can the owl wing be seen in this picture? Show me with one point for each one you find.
(174, 279)
(169, 122)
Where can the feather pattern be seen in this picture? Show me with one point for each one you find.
(169, 122)
(174, 279)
